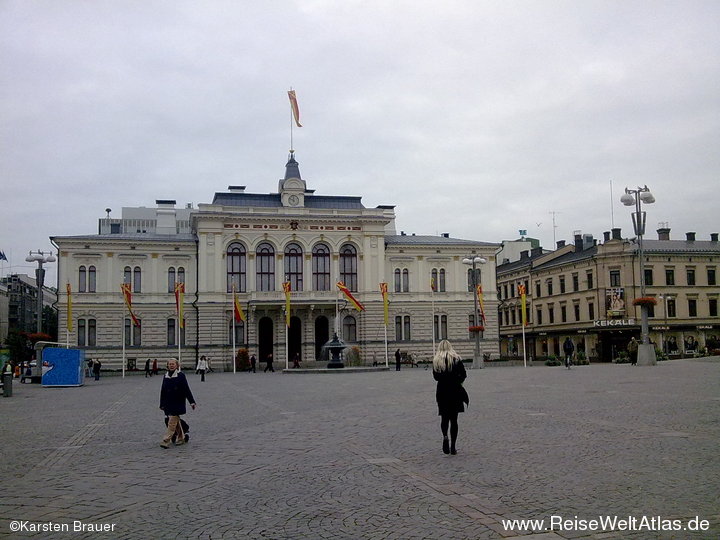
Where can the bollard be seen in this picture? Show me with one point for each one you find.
(7, 384)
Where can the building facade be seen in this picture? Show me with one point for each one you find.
(585, 291)
(249, 245)
(18, 305)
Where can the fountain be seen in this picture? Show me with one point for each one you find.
(335, 347)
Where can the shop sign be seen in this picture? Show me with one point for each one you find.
(614, 322)
(661, 328)
(582, 331)
(705, 327)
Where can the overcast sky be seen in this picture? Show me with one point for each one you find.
(476, 118)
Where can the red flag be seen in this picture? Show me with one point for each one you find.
(294, 107)
(179, 301)
(125, 288)
(356, 304)
(237, 308)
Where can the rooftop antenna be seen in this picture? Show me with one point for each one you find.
(108, 210)
(554, 226)
(612, 210)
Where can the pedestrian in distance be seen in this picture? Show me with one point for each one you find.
(632, 350)
(253, 362)
(174, 393)
(89, 368)
(202, 368)
(398, 358)
(155, 370)
(209, 365)
(451, 396)
(97, 364)
(568, 349)
(269, 364)
(148, 373)
(296, 361)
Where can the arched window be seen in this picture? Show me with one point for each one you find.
(406, 280)
(398, 282)
(180, 274)
(321, 267)
(92, 279)
(137, 279)
(236, 267)
(127, 275)
(349, 328)
(265, 262)
(434, 280)
(171, 279)
(348, 267)
(294, 266)
(82, 279)
(442, 280)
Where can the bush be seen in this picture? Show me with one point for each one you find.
(553, 361)
(353, 356)
(623, 358)
(242, 360)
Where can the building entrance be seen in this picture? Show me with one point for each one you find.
(265, 338)
(610, 344)
(322, 334)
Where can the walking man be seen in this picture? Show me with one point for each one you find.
(568, 349)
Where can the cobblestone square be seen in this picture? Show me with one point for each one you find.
(358, 455)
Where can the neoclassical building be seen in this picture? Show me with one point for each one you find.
(252, 243)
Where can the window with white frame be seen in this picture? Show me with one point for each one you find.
(321, 267)
(236, 257)
(294, 266)
(348, 267)
(265, 264)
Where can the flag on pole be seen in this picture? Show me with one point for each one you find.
(432, 284)
(69, 321)
(125, 288)
(286, 288)
(294, 107)
(384, 292)
(523, 299)
(179, 303)
(237, 308)
(480, 301)
(343, 289)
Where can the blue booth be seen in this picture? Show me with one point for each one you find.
(63, 367)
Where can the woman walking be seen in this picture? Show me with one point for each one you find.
(175, 390)
(202, 368)
(449, 372)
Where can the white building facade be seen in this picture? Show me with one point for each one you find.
(252, 243)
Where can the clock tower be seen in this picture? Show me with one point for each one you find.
(292, 188)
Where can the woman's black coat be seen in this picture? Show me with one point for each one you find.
(175, 390)
(450, 394)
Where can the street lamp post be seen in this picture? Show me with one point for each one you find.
(474, 261)
(40, 257)
(635, 197)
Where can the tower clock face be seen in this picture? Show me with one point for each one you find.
(294, 200)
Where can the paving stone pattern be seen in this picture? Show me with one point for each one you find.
(358, 456)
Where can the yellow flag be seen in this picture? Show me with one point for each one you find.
(523, 299)
(237, 308)
(384, 292)
(286, 288)
(179, 303)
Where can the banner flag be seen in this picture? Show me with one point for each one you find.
(125, 288)
(294, 107)
(179, 303)
(480, 301)
(237, 308)
(432, 284)
(356, 304)
(523, 300)
(384, 292)
(286, 288)
(69, 322)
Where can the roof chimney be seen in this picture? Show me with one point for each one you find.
(578, 242)
(690, 236)
(536, 251)
(616, 233)
(445, 235)
(236, 189)
(524, 255)
(663, 233)
(714, 237)
(606, 236)
(560, 244)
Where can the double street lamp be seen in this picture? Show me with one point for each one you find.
(474, 261)
(40, 257)
(636, 197)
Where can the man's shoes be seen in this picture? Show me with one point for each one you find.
(453, 451)
(187, 438)
(163, 444)
(180, 442)
(446, 445)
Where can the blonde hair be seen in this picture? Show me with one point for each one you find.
(445, 357)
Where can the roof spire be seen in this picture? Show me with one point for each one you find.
(292, 168)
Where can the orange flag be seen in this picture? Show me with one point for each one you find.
(286, 288)
(237, 308)
(179, 301)
(384, 292)
(294, 107)
(356, 304)
(125, 288)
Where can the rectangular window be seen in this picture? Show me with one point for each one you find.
(81, 332)
(648, 276)
(512, 317)
(590, 284)
(669, 276)
(171, 332)
(512, 290)
(671, 312)
(614, 278)
(562, 284)
(651, 310)
(133, 335)
(91, 332)
(505, 291)
(591, 311)
(576, 308)
(440, 326)
(471, 322)
(576, 283)
(563, 313)
(712, 306)
(538, 315)
(690, 276)
(551, 314)
(711, 276)
(402, 328)
(549, 285)
(537, 289)
(692, 307)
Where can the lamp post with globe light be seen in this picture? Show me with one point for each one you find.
(474, 261)
(636, 197)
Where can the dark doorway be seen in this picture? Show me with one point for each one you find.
(322, 334)
(265, 338)
(295, 338)
(611, 344)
